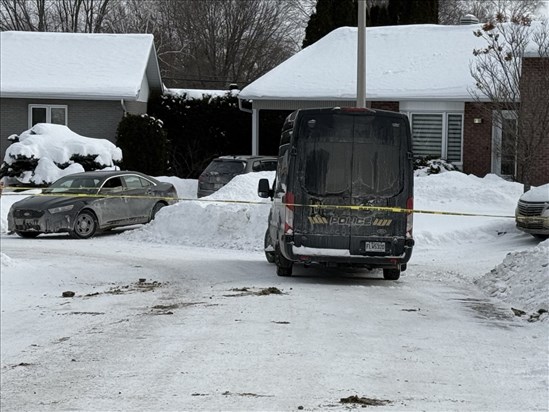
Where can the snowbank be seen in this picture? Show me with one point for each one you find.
(522, 280)
(207, 223)
(186, 188)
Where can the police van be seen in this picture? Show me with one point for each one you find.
(343, 191)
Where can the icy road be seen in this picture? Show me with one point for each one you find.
(157, 327)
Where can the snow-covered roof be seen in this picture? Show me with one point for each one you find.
(77, 65)
(413, 62)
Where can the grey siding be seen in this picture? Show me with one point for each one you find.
(136, 107)
(90, 118)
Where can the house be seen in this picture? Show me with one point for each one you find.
(84, 81)
(420, 70)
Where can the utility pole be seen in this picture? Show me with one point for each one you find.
(361, 56)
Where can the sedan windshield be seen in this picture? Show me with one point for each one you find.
(74, 184)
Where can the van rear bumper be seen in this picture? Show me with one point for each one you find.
(344, 256)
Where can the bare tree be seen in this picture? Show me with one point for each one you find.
(296, 15)
(28, 15)
(451, 11)
(152, 17)
(54, 15)
(519, 107)
(225, 41)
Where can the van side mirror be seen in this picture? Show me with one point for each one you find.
(264, 189)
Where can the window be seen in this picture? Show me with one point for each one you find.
(438, 135)
(136, 182)
(427, 134)
(264, 165)
(372, 143)
(455, 132)
(114, 184)
(133, 182)
(55, 114)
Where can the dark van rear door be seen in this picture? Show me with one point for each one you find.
(380, 179)
(344, 159)
(324, 146)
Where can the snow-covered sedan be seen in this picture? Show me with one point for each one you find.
(84, 203)
(532, 213)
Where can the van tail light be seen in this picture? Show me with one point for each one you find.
(409, 217)
(288, 200)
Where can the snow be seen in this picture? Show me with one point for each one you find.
(521, 279)
(114, 65)
(423, 62)
(200, 331)
(198, 94)
(54, 145)
(537, 194)
(235, 218)
(184, 313)
(207, 223)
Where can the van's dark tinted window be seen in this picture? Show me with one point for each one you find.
(352, 154)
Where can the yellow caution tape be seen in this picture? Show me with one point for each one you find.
(350, 207)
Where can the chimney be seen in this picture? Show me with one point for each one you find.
(468, 19)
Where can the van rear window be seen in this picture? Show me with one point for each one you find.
(351, 154)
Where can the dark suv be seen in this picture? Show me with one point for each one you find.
(221, 170)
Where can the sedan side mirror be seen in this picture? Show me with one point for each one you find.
(264, 189)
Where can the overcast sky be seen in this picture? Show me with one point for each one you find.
(545, 10)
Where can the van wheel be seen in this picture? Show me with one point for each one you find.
(403, 267)
(285, 272)
(283, 266)
(269, 244)
(391, 274)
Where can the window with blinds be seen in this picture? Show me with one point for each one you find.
(455, 127)
(427, 134)
(438, 135)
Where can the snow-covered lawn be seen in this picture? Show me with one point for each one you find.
(202, 330)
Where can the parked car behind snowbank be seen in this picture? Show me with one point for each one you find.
(532, 212)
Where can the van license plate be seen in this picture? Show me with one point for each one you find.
(374, 246)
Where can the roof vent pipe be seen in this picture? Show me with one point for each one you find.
(468, 19)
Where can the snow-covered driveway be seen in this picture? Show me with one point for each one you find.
(204, 332)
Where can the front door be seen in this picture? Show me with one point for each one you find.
(504, 144)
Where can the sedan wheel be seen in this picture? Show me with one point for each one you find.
(85, 225)
(156, 208)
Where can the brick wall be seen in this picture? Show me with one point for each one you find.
(477, 139)
(392, 106)
(90, 118)
(535, 113)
